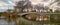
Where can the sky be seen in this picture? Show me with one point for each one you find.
(5, 4)
(8, 4)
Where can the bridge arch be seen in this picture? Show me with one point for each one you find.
(35, 16)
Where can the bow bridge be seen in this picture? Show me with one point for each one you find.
(21, 14)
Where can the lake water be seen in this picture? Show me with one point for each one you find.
(4, 22)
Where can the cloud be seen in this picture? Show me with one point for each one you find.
(2, 3)
(2, 10)
(4, 6)
(14, 1)
(35, 1)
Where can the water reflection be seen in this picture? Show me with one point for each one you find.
(4, 22)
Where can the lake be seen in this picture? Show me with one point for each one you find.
(4, 22)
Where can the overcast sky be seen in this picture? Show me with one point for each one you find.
(4, 4)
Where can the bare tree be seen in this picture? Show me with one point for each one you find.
(22, 4)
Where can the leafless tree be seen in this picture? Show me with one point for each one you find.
(22, 4)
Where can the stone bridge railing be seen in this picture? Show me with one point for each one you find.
(37, 13)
